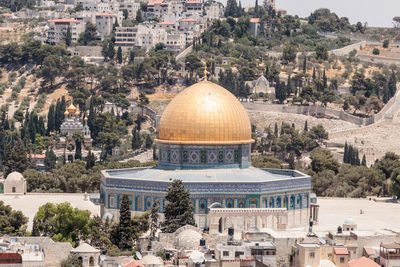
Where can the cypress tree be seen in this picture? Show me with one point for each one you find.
(51, 119)
(325, 80)
(119, 55)
(256, 9)
(350, 154)
(78, 149)
(276, 130)
(392, 84)
(68, 37)
(154, 219)
(136, 140)
(305, 64)
(306, 126)
(292, 163)
(346, 153)
(364, 161)
(125, 226)
(90, 160)
(179, 208)
(50, 160)
(313, 74)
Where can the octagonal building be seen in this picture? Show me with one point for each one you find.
(204, 139)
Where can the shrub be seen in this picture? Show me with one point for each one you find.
(376, 51)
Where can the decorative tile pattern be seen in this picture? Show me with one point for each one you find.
(194, 157)
(212, 157)
(203, 156)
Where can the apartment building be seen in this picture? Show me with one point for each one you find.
(58, 28)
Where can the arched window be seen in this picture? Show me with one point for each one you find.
(292, 202)
(271, 202)
(241, 204)
(91, 261)
(148, 203)
(229, 203)
(278, 202)
(253, 203)
(111, 200)
(138, 203)
(203, 206)
(299, 202)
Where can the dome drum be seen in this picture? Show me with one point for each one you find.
(203, 156)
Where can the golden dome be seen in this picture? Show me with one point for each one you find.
(71, 108)
(77, 113)
(205, 113)
(86, 119)
(66, 113)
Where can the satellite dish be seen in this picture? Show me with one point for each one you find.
(138, 255)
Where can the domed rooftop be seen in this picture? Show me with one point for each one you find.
(349, 221)
(71, 108)
(188, 239)
(205, 113)
(15, 176)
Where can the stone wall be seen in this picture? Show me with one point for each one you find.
(379, 59)
(312, 110)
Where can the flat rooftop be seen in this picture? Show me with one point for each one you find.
(375, 215)
(250, 175)
(30, 203)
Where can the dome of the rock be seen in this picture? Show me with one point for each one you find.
(205, 113)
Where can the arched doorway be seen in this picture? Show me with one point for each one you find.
(91, 261)
(220, 225)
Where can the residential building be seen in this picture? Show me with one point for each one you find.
(142, 35)
(175, 41)
(132, 6)
(340, 257)
(58, 28)
(389, 255)
(105, 23)
(193, 9)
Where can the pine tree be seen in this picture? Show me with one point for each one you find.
(50, 160)
(15, 156)
(119, 55)
(90, 160)
(124, 226)
(179, 208)
(154, 219)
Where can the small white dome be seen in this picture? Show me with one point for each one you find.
(326, 263)
(15, 176)
(188, 239)
(349, 221)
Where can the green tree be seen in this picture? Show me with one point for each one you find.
(62, 222)
(89, 36)
(322, 159)
(50, 160)
(90, 160)
(179, 208)
(119, 55)
(385, 43)
(71, 261)
(193, 63)
(124, 226)
(68, 37)
(136, 140)
(12, 222)
(321, 52)
(375, 51)
(139, 17)
(15, 156)
(154, 224)
(289, 52)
